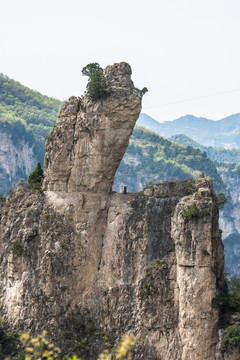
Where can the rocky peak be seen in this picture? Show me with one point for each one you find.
(85, 148)
(119, 75)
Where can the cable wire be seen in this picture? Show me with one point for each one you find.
(191, 99)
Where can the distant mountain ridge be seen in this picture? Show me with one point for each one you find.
(221, 133)
(215, 154)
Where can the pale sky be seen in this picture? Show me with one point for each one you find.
(178, 49)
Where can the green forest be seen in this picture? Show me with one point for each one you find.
(26, 113)
(214, 153)
(158, 159)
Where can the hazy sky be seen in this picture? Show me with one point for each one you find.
(179, 49)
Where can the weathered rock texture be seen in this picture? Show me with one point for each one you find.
(17, 160)
(89, 265)
(84, 263)
(86, 146)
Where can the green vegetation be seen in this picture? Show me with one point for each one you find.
(229, 301)
(16, 247)
(205, 252)
(154, 271)
(221, 300)
(144, 90)
(157, 159)
(97, 87)
(215, 154)
(234, 293)
(40, 348)
(148, 289)
(232, 335)
(8, 342)
(155, 267)
(26, 114)
(36, 176)
(191, 212)
(2, 200)
(221, 200)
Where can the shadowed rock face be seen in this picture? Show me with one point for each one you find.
(85, 148)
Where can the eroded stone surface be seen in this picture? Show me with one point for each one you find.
(87, 144)
(89, 265)
(86, 260)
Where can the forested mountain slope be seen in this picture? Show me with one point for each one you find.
(152, 158)
(20, 105)
(26, 117)
(216, 154)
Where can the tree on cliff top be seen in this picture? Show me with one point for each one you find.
(97, 87)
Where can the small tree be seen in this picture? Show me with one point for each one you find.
(221, 200)
(232, 335)
(36, 176)
(144, 90)
(90, 68)
(97, 87)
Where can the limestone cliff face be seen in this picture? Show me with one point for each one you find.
(116, 263)
(87, 264)
(86, 146)
(16, 160)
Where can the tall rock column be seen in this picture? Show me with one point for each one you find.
(199, 253)
(84, 149)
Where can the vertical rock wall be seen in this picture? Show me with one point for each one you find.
(89, 140)
(83, 262)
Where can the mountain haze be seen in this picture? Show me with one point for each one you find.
(222, 133)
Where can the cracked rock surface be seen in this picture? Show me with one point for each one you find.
(89, 265)
(85, 148)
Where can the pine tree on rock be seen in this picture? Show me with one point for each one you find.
(36, 176)
(97, 87)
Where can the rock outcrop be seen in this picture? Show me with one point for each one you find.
(89, 265)
(89, 140)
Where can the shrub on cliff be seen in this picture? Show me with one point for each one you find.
(221, 200)
(234, 293)
(97, 87)
(191, 212)
(36, 176)
(232, 335)
(221, 300)
(2, 200)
